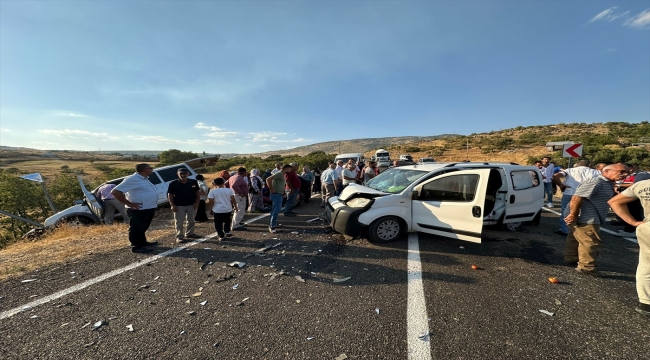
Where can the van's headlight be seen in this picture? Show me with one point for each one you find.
(359, 202)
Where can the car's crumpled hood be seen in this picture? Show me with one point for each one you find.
(353, 189)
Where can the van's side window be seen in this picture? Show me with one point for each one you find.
(170, 174)
(460, 187)
(154, 179)
(524, 179)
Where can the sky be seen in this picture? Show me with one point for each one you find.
(253, 76)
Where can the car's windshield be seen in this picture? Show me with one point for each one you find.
(395, 180)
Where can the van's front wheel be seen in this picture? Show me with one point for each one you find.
(385, 229)
(514, 226)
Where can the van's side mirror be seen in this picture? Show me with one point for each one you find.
(414, 195)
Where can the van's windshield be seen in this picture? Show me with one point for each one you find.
(395, 180)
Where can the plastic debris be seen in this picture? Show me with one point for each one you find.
(153, 291)
(203, 303)
(424, 336)
(342, 279)
(299, 278)
(146, 286)
(156, 278)
(65, 324)
(28, 280)
(295, 232)
(377, 311)
(130, 327)
(547, 312)
(85, 325)
(245, 299)
(182, 332)
(89, 344)
(99, 324)
(310, 338)
(461, 247)
(33, 316)
(341, 357)
(238, 264)
(235, 286)
(197, 294)
(558, 302)
(297, 301)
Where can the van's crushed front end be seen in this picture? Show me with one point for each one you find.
(342, 212)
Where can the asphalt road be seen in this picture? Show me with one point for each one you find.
(285, 304)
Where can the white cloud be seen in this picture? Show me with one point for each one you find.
(4, 130)
(642, 20)
(79, 134)
(205, 126)
(266, 135)
(164, 140)
(71, 114)
(605, 15)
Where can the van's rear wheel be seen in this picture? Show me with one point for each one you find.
(385, 229)
(514, 226)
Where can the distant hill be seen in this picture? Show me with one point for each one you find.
(353, 146)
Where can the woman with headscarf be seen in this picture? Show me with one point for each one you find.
(201, 216)
(255, 197)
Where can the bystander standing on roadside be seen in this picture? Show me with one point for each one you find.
(184, 197)
(141, 198)
(547, 173)
(225, 175)
(276, 184)
(240, 187)
(369, 171)
(255, 196)
(277, 169)
(329, 179)
(308, 175)
(640, 190)
(221, 201)
(316, 188)
(201, 215)
(293, 188)
(586, 211)
(339, 173)
(349, 175)
(111, 204)
(573, 177)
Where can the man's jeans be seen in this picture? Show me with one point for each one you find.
(275, 208)
(291, 199)
(548, 191)
(643, 270)
(182, 214)
(566, 199)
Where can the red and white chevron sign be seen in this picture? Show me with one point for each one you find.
(572, 150)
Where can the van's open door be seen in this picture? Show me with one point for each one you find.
(451, 205)
(527, 197)
(91, 200)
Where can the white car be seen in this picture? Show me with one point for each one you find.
(448, 199)
(426, 160)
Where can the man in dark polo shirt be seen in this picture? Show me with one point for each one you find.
(293, 188)
(184, 197)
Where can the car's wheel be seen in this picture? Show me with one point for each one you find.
(515, 226)
(385, 229)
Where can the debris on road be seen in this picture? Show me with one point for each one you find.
(310, 338)
(130, 327)
(85, 325)
(377, 311)
(547, 312)
(340, 280)
(268, 247)
(191, 313)
(235, 286)
(341, 357)
(182, 332)
(203, 303)
(237, 264)
(558, 302)
(474, 267)
(424, 336)
(64, 324)
(99, 324)
(461, 247)
(196, 294)
(33, 316)
(553, 280)
(28, 280)
(299, 278)
(295, 232)
(89, 344)
(146, 286)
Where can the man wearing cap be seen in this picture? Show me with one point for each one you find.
(184, 196)
(141, 198)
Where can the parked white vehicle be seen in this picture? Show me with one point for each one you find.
(357, 157)
(453, 200)
(91, 209)
(382, 157)
(425, 160)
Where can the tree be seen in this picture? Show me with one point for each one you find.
(173, 156)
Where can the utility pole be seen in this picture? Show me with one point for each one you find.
(467, 149)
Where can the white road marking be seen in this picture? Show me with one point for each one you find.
(100, 278)
(602, 228)
(417, 323)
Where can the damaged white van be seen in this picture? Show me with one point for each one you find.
(448, 199)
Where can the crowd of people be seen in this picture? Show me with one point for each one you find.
(587, 195)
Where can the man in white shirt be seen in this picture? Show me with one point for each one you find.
(547, 173)
(339, 173)
(572, 179)
(141, 199)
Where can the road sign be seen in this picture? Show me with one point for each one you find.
(572, 150)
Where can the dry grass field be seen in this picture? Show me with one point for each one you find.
(49, 167)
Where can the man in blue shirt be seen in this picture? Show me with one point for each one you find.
(329, 180)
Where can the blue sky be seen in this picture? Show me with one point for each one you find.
(253, 76)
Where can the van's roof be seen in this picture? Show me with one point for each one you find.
(437, 165)
(349, 155)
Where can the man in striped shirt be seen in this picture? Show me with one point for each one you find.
(586, 211)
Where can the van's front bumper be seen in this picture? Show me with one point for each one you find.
(344, 219)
